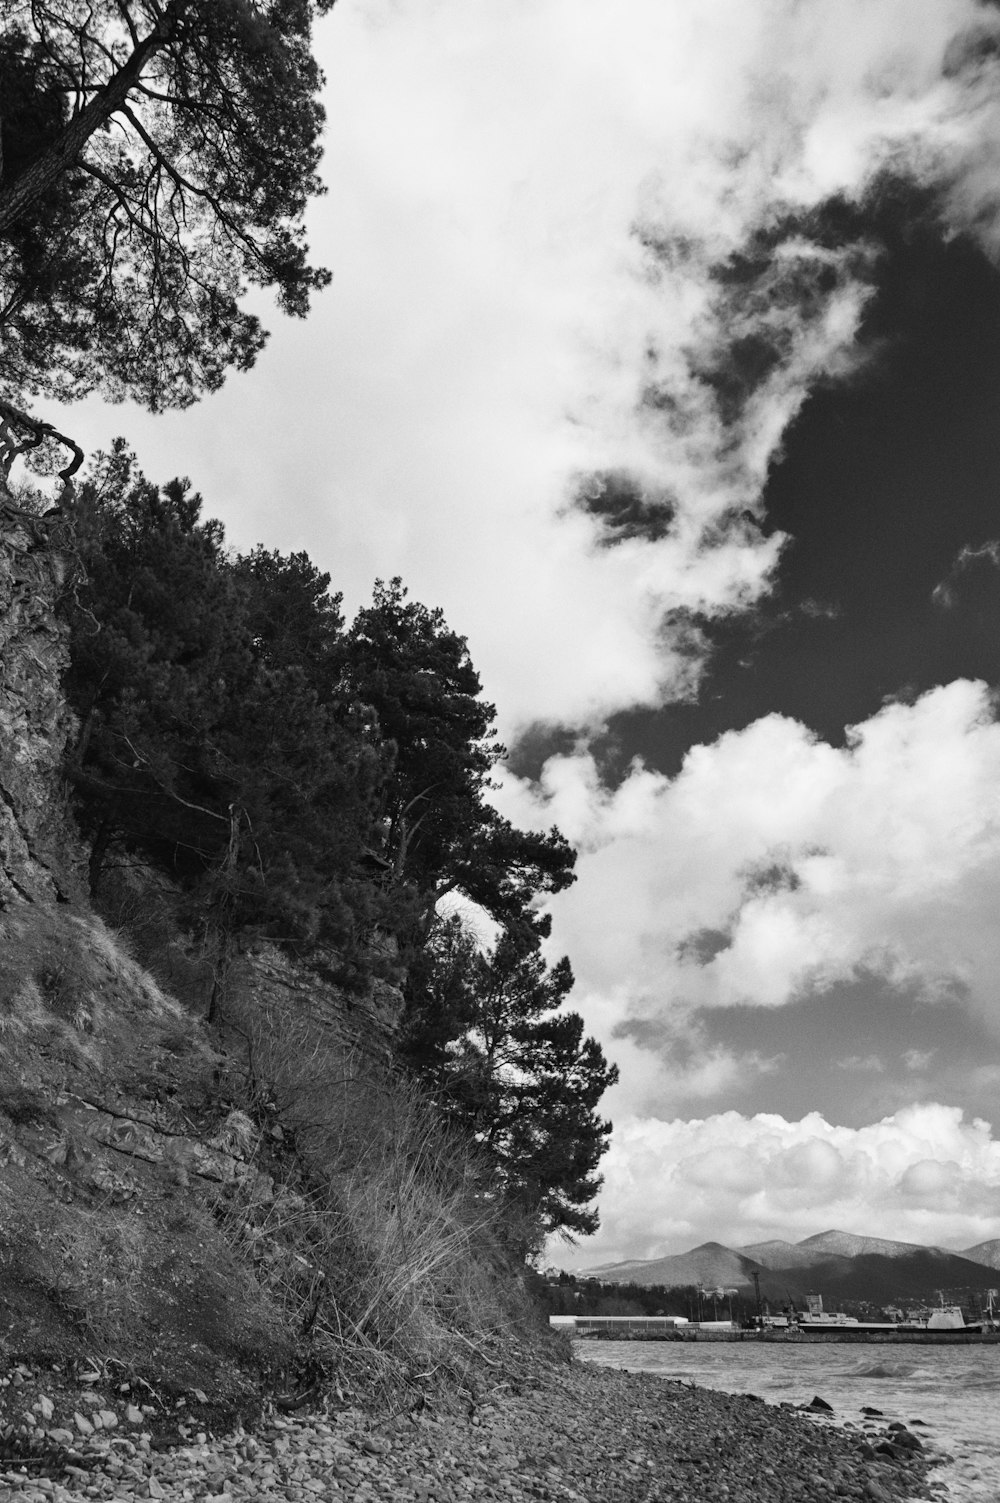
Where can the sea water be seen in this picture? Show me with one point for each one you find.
(954, 1390)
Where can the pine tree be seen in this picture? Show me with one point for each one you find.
(440, 833)
(210, 743)
(485, 1027)
(158, 159)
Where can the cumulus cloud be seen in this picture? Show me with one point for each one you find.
(925, 1175)
(774, 865)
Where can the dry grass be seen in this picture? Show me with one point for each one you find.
(391, 1249)
(355, 1230)
(65, 965)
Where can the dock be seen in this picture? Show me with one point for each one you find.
(668, 1328)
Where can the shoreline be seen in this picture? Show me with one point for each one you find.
(575, 1433)
(842, 1336)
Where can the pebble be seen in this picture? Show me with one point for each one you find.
(573, 1434)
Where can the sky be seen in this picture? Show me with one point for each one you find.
(663, 353)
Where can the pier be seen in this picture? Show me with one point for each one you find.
(669, 1328)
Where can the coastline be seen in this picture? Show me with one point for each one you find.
(573, 1433)
(842, 1336)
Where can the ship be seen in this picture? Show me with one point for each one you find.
(944, 1326)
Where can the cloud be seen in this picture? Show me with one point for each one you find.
(925, 1175)
(770, 868)
(605, 280)
(588, 266)
(972, 581)
(918, 1059)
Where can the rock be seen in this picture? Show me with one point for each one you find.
(133, 1414)
(873, 1413)
(44, 1407)
(819, 1405)
(908, 1442)
(108, 1418)
(584, 1434)
(374, 1446)
(82, 1424)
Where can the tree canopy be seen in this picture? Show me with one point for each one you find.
(207, 743)
(324, 785)
(439, 832)
(485, 1026)
(157, 159)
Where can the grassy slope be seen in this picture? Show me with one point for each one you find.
(229, 1213)
(115, 1158)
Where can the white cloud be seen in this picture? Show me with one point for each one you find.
(494, 317)
(775, 864)
(924, 1175)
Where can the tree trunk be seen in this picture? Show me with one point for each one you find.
(98, 851)
(42, 174)
(220, 973)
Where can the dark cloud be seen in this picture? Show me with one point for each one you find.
(774, 876)
(974, 50)
(625, 507)
(702, 945)
(536, 744)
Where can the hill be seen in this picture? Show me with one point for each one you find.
(987, 1253)
(711, 1265)
(778, 1254)
(847, 1245)
(838, 1265)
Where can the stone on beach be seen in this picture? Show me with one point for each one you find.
(573, 1434)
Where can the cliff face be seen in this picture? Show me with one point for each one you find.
(202, 1205)
(204, 1200)
(36, 848)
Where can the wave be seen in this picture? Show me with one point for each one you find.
(889, 1370)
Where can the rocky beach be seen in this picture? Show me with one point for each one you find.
(566, 1433)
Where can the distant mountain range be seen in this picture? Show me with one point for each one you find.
(838, 1265)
